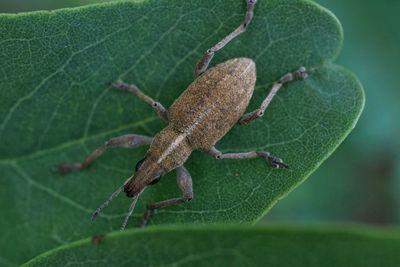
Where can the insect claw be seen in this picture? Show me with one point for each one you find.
(119, 85)
(301, 73)
(284, 165)
(278, 163)
(63, 169)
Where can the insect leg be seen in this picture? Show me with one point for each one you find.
(301, 73)
(202, 65)
(157, 106)
(184, 181)
(126, 141)
(275, 162)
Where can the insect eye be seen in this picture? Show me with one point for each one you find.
(139, 164)
(155, 180)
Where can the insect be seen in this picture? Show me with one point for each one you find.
(215, 101)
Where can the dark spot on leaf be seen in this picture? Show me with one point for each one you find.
(97, 239)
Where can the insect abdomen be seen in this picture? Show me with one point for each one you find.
(214, 102)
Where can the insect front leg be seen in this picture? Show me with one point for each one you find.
(157, 106)
(202, 65)
(126, 141)
(301, 73)
(275, 162)
(184, 181)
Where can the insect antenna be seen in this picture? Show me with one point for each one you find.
(131, 208)
(110, 198)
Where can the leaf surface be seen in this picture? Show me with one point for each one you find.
(232, 246)
(56, 106)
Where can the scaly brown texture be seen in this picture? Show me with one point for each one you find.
(214, 102)
(198, 119)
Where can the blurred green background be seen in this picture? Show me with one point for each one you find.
(361, 180)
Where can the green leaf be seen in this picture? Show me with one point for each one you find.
(232, 246)
(56, 106)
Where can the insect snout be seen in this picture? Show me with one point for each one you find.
(129, 193)
(133, 187)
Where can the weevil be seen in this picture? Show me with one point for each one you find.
(205, 112)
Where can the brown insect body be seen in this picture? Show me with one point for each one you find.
(214, 102)
(198, 119)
